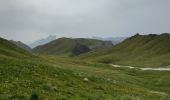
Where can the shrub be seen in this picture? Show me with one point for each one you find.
(34, 96)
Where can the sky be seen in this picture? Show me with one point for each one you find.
(29, 20)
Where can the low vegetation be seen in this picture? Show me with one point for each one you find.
(48, 77)
(140, 50)
(25, 76)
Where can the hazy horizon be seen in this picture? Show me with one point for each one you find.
(30, 20)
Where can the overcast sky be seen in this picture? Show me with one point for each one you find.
(29, 20)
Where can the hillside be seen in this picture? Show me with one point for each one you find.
(64, 78)
(66, 45)
(139, 50)
(21, 45)
(9, 49)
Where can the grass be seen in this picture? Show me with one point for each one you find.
(25, 76)
(139, 50)
(64, 78)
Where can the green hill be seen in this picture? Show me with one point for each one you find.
(9, 49)
(139, 50)
(65, 78)
(66, 46)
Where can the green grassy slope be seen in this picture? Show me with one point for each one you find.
(55, 78)
(9, 49)
(139, 50)
(65, 45)
(62, 78)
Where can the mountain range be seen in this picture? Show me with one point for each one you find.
(66, 45)
(140, 50)
(88, 73)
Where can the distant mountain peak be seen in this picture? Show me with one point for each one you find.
(43, 41)
(51, 36)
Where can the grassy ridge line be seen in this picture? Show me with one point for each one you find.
(139, 50)
(10, 49)
(64, 46)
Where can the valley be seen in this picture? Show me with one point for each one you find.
(84, 50)
(65, 78)
(25, 75)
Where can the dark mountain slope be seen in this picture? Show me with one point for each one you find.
(21, 45)
(66, 45)
(79, 49)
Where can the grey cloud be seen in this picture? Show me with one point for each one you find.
(82, 18)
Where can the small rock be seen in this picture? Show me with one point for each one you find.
(108, 79)
(86, 79)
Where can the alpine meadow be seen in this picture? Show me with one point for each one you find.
(84, 50)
